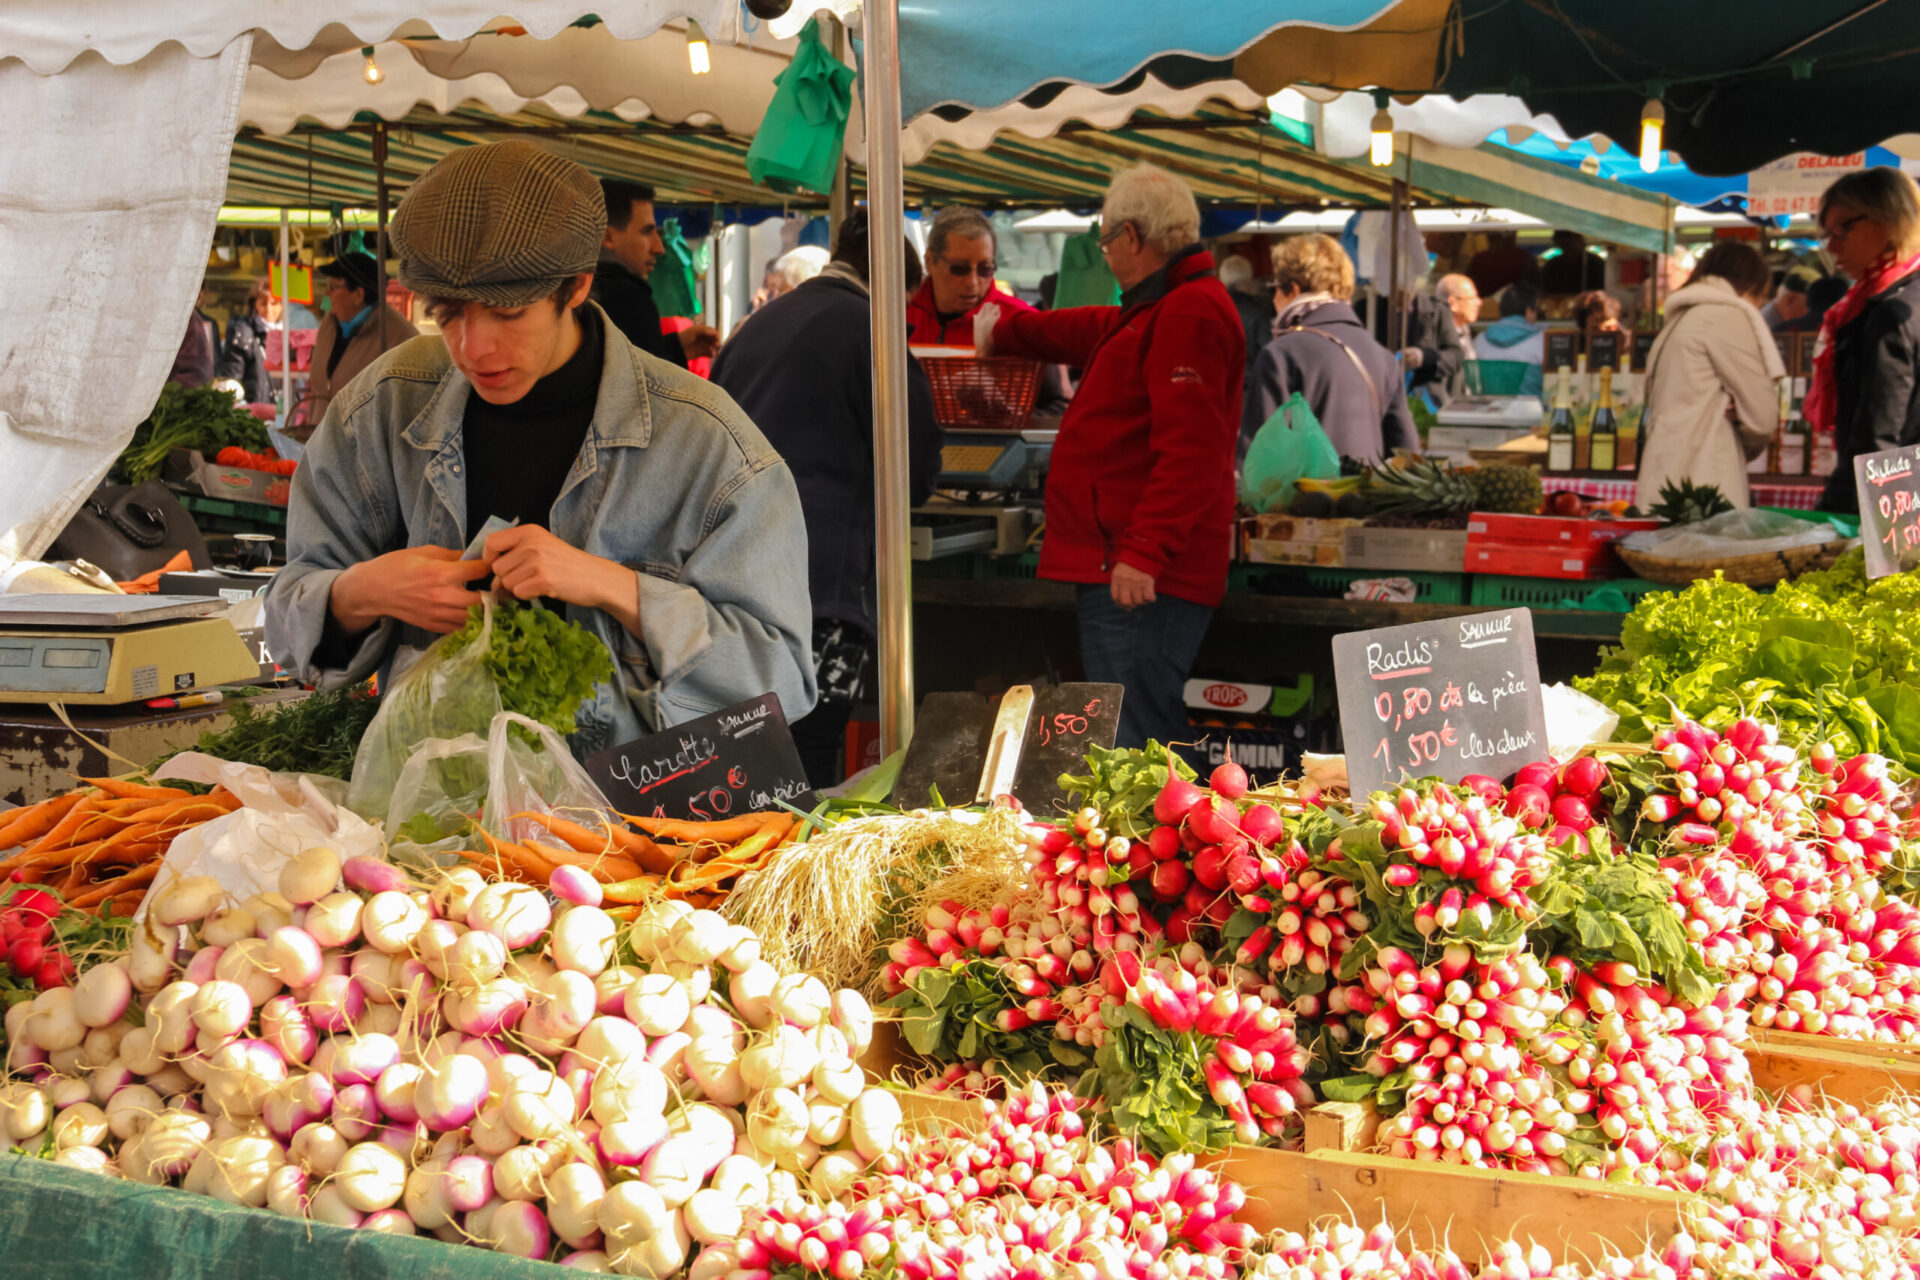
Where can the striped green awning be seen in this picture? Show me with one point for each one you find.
(1230, 158)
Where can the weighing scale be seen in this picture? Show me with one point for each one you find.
(108, 649)
(1467, 423)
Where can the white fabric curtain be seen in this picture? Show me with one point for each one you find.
(110, 182)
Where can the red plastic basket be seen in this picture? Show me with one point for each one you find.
(975, 393)
(1593, 561)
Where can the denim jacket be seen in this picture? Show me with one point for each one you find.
(673, 482)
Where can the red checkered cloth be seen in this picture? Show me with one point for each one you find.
(1788, 496)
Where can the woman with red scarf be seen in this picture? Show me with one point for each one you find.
(1866, 365)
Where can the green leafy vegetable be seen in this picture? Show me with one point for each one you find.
(202, 418)
(1122, 784)
(545, 666)
(319, 733)
(1153, 1080)
(951, 1014)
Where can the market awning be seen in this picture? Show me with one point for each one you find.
(1743, 84)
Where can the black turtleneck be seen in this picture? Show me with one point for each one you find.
(518, 455)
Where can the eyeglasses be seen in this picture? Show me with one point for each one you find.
(961, 270)
(1114, 234)
(1839, 233)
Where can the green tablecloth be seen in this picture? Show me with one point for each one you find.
(57, 1223)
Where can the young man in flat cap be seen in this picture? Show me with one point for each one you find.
(649, 509)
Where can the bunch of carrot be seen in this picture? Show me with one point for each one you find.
(99, 847)
(695, 861)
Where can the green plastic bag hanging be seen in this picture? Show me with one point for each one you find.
(675, 290)
(1085, 279)
(798, 145)
(1288, 447)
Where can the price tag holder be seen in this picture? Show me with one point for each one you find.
(738, 760)
(1889, 487)
(1440, 699)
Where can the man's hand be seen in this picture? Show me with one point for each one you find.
(699, 341)
(983, 321)
(1412, 357)
(424, 587)
(1131, 587)
(529, 562)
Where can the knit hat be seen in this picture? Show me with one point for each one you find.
(502, 224)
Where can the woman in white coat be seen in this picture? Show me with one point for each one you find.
(1713, 398)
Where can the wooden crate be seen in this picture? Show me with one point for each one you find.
(1860, 1074)
(1839, 1044)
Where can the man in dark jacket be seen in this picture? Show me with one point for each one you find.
(802, 368)
(1321, 350)
(627, 255)
(1140, 489)
(1438, 337)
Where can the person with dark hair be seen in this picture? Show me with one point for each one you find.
(1596, 311)
(1712, 399)
(1517, 336)
(244, 356)
(354, 334)
(803, 371)
(627, 255)
(1789, 300)
(626, 493)
(194, 365)
(1571, 267)
(1821, 294)
(1866, 369)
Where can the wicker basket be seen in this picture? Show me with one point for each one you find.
(975, 393)
(1763, 569)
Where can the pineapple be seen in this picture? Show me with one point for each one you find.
(1418, 486)
(1685, 502)
(1513, 489)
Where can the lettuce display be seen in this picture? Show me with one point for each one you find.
(1829, 656)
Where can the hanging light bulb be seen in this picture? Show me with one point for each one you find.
(699, 56)
(1653, 117)
(1380, 133)
(371, 72)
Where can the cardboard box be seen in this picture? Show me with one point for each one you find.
(1277, 538)
(1265, 753)
(191, 470)
(1407, 550)
(230, 585)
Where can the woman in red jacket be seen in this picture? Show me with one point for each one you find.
(1140, 490)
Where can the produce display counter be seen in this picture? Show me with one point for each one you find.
(76, 1225)
(1271, 610)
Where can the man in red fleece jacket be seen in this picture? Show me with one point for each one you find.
(1140, 491)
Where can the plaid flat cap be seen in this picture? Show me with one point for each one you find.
(502, 224)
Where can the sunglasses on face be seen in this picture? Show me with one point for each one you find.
(961, 270)
(1841, 230)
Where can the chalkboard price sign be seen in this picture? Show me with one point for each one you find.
(1440, 699)
(740, 759)
(1889, 486)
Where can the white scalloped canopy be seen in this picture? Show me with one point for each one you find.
(49, 34)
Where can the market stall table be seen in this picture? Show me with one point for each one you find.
(1788, 494)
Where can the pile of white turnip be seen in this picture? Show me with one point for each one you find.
(457, 1058)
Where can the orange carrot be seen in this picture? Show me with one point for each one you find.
(726, 831)
(99, 893)
(636, 847)
(634, 890)
(36, 820)
(70, 823)
(123, 790)
(602, 866)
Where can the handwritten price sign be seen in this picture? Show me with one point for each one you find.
(738, 760)
(1440, 699)
(1889, 486)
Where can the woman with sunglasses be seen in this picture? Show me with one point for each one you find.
(1866, 366)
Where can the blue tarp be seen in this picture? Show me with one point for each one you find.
(985, 53)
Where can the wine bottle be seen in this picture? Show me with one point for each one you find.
(1560, 425)
(1630, 412)
(1603, 451)
(1582, 413)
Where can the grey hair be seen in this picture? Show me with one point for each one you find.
(1159, 205)
(1446, 286)
(796, 266)
(957, 220)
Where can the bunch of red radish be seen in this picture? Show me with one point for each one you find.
(1459, 833)
(1344, 1251)
(1565, 801)
(28, 946)
(1029, 1197)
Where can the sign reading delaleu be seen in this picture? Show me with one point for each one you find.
(740, 759)
(1889, 487)
(1440, 699)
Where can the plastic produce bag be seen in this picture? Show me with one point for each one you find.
(438, 796)
(444, 695)
(532, 771)
(1731, 533)
(1289, 445)
(281, 815)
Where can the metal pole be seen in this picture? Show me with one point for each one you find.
(1396, 305)
(380, 232)
(286, 320)
(887, 233)
(837, 194)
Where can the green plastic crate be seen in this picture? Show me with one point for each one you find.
(1500, 591)
(1023, 567)
(260, 513)
(1332, 584)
